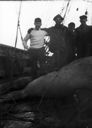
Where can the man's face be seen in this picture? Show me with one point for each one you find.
(71, 27)
(58, 20)
(83, 21)
(37, 25)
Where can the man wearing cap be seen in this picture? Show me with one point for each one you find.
(36, 50)
(83, 37)
(57, 41)
(71, 36)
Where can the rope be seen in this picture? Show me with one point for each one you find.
(18, 23)
(66, 8)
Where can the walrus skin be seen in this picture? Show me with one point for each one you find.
(76, 75)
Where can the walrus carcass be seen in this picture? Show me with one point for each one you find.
(76, 75)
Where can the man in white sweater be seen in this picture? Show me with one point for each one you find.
(36, 50)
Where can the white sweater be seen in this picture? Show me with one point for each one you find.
(36, 38)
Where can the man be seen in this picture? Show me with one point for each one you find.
(36, 49)
(71, 35)
(71, 26)
(82, 37)
(57, 41)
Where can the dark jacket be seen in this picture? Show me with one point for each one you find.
(82, 40)
(57, 37)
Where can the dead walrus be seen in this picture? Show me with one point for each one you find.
(76, 75)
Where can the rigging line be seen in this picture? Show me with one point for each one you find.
(66, 8)
(20, 33)
(21, 36)
(69, 9)
(18, 23)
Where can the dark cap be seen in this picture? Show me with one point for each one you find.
(37, 19)
(58, 16)
(83, 17)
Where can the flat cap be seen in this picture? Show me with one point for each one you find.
(83, 17)
(58, 16)
(38, 19)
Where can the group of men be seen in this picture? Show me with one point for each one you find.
(66, 43)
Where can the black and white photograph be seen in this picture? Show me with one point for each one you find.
(45, 64)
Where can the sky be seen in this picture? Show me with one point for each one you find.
(29, 10)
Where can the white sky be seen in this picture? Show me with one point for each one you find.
(46, 10)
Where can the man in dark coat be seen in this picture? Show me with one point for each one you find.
(57, 41)
(83, 37)
(71, 36)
